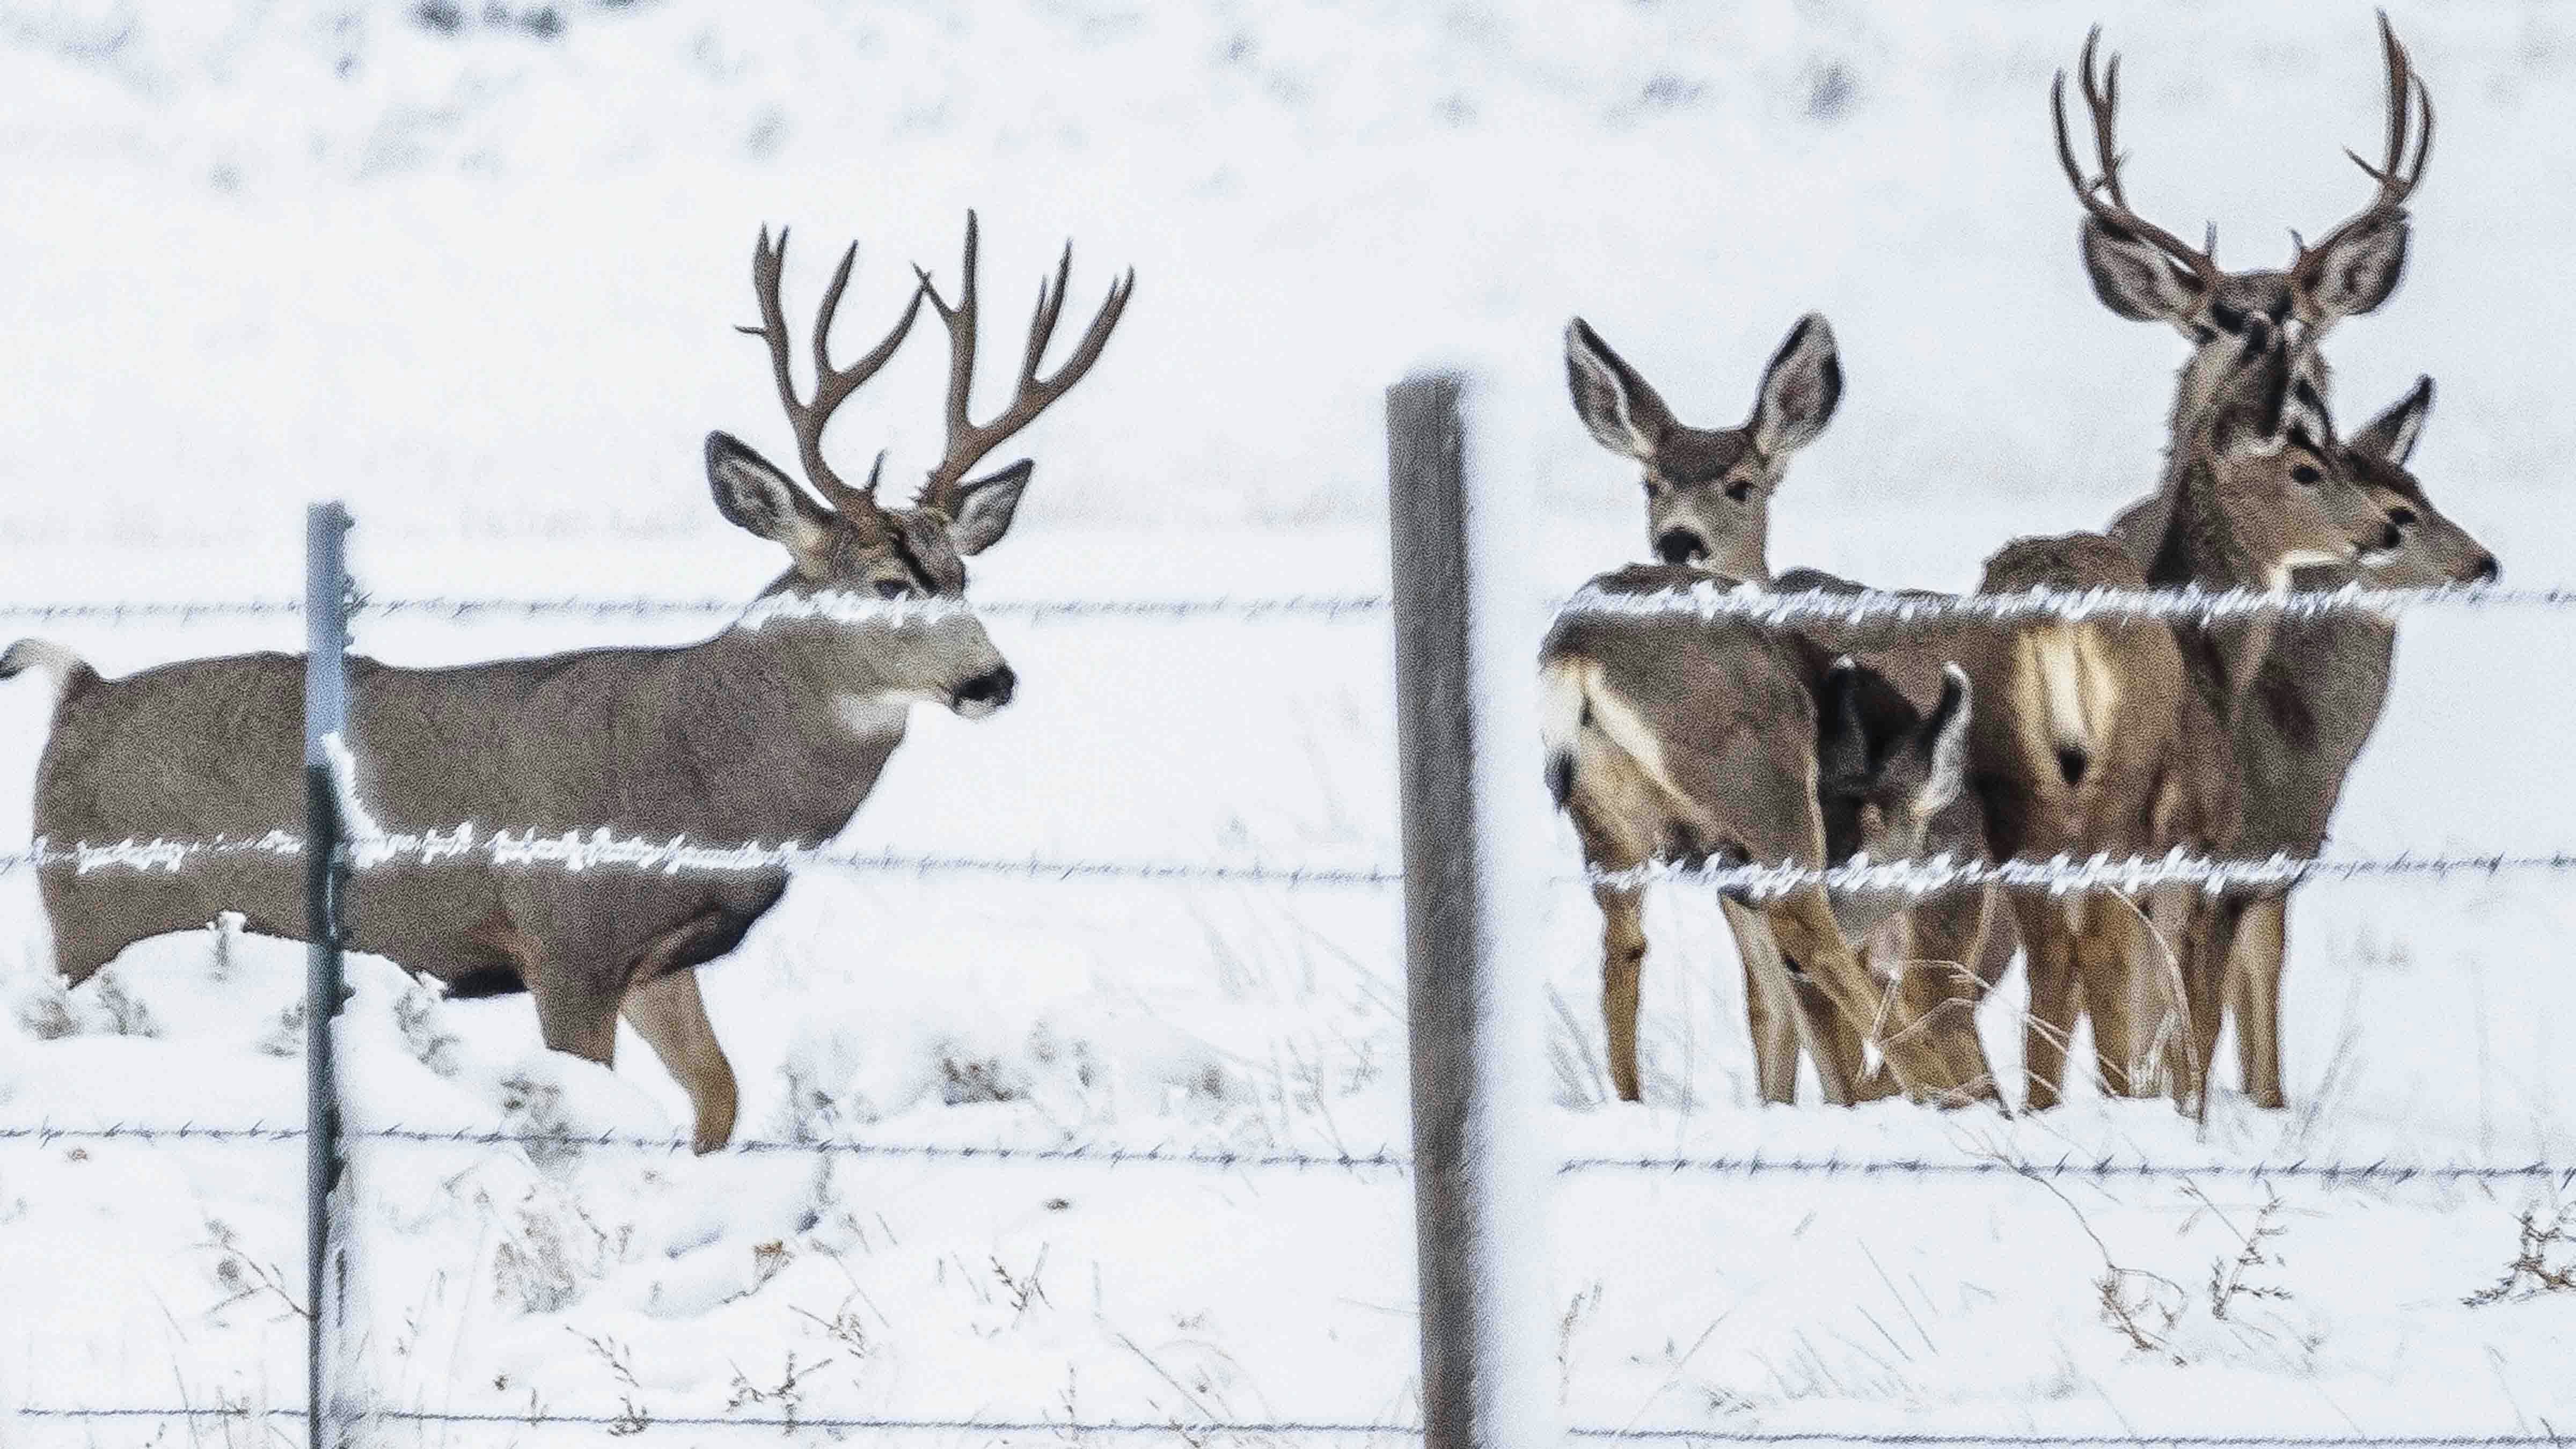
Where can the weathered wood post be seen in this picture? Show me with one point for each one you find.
(1464, 656)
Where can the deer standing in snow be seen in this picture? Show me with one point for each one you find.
(770, 730)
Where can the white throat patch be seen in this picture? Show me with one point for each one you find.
(873, 714)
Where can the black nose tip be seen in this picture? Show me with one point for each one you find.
(1681, 546)
(992, 687)
(2488, 570)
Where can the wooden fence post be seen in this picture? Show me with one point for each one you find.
(1478, 1198)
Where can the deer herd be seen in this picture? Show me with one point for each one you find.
(1668, 736)
(1678, 739)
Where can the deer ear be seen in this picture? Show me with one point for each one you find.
(985, 507)
(754, 496)
(1943, 738)
(2390, 436)
(1623, 412)
(1842, 736)
(2135, 279)
(2356, 272)
(1800, 389)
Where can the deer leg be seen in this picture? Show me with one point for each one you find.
(2254, 977)
(1788, 1014)
(1623, 959)
(671, 1016)
(2171, 928)
(573, 1016)
(2048, 958)
(1770, 1007)
(2110, 978)
(1936, 989)
(575, 1019)
(1803, 923)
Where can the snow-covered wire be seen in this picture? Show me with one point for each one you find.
(466, 609)
(2190, 603)
(1915, 879)
(598, 848)
(601, 849)
(1711, 600)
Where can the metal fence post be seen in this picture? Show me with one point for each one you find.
(1476, 1201)
(326, 876)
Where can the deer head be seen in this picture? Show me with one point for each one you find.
(2266, 483)
(2417, 546)
(2145, 273)
(1708, 491)
(1883, 770)
(850, 543)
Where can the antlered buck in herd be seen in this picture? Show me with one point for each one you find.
(2098, 736)
(769, 730)
(2299, 698)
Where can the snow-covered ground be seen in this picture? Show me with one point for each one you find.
(480, 280)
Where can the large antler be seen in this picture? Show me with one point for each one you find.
(2103, 196)
(968, 440)
(832, 386)
(2408, 98)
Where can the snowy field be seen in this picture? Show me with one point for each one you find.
(476, 273)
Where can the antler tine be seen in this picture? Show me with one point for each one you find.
(968, 440)
(1050, 307)
(961, 333)
(2104, 196)
(2410, 120)
(832, 386)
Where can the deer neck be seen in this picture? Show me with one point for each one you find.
(774, 748)
(2207, 544)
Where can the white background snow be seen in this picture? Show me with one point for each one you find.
(480, 281)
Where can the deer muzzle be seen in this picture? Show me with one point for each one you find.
(985, 693)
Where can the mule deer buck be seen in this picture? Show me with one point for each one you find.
(1708, 495)
(2101, 735)
(2314, 696)
(775, 731)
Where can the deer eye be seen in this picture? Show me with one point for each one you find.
(1740, 490)
(2228, 318)
(2402, 516)
(892, 588)
(2307, 474)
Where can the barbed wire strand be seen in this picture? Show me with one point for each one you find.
(2066, 874)
(2189, 604)
(1712, 600)
(600, 849)
(2145, 1437)
(639, 1421)
(185, 1411)
(2379, 1172)
(636, 1421)
(461, 609)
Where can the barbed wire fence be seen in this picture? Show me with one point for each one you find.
(341, 838)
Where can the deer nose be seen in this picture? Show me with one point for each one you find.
(992, 687)
(2487, 571)
(1680, 546)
